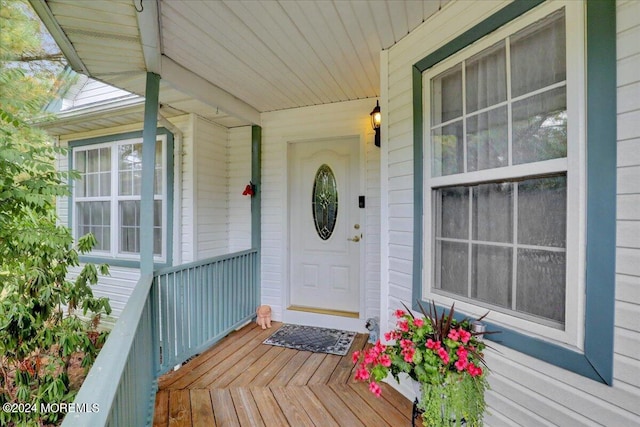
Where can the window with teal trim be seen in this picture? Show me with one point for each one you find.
(106, 197)
(503, 174)
(504, 157)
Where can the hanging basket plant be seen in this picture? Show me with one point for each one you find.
(442, 354)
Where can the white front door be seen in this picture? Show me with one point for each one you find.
(325, 227)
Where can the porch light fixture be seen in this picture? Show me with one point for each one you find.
(376, 118)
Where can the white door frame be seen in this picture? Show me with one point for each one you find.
(315, 319)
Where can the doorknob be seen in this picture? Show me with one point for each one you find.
(354, 238)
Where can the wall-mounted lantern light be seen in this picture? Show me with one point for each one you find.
(376, 119)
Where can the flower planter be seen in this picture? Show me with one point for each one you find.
(442, 356)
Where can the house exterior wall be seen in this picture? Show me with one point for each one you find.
(210, 170)
(239, 165)
(318, 122)
(525, 391)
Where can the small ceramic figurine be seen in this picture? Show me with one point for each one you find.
(264, 316)
(374, 329)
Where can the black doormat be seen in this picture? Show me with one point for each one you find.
(311, 338)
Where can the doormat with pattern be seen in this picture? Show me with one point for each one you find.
(311, 338)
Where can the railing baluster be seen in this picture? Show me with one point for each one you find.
(184, 309)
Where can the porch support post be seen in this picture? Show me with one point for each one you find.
(256, 224)
(256, 158)
(148, 172)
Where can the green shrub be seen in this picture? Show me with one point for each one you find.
(40, 307)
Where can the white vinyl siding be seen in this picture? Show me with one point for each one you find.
(524, 390)
(211, 217)
(239, 164)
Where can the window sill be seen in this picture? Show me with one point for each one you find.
(118, 262)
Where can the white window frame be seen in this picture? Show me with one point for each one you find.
(115, 198)
(572, 335)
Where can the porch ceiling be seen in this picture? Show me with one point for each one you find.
(237, 57)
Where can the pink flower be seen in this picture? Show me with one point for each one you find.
(406, 343)
(461, 352)
(388, 336)
(385, 360)
(461, 364)
(443, 355)
(433, 345)
(408, 354)
(370, 356)
(418, 322)
(375, 388)
(362, 374)
(399, 313)
(355, 356)
(474, 370)
(403, 325)
(453, 335)
(465, 336)
(379, 347)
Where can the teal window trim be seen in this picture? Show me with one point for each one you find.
(597, 360)
(129, 263)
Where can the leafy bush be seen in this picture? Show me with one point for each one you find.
(40, 327)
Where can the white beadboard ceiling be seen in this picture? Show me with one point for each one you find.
(269, 54)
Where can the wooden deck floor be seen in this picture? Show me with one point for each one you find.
(242, 382)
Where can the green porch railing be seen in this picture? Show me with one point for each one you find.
(169, 317)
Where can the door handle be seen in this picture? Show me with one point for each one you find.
(354, 238)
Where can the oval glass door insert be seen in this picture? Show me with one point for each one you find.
(324, 201)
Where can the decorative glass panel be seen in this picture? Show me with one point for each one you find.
(95, 217)
(540, 127)
(493, 212)
(487, 140)
(542, 212)
(538, 55)
(491, 274)
(324, 201)
(486, 78)
(448, 149)
(452, 212)
(449, 257)
(447, 100)
(541, 283)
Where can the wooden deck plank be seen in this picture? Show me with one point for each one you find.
(237, 369)
(267, 354)
(248, 413)
(241, 382)
(307, 370)
(296, 416)
(228, 347)
(287, 372)
(335, 406)
(223, 408)
(324, 371)
(271, 370)
(397, 400)
(359, 405)
(202, 408)
(179, 408)
(304, 397)
(228, 357)
(381, 406)
(161, 411)
(342, 373)
(171, 377)
(269, 409)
